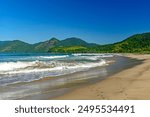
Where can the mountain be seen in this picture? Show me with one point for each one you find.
(73, 41)
(135, 43)
(139, 43)
(71, 45)
(19, 46)
(14, 46)
(45, 46)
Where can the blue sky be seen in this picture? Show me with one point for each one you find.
(98, 21)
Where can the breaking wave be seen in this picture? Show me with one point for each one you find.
(28, 68)
(39, 66)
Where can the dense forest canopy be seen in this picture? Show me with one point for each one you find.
(139, 43)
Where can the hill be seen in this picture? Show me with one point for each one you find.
(73, 41)
(19, 46)
(71, 45)
(14, 46)
(135, 43)
(139, 43)
(45, 46)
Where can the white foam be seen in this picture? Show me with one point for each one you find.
(92, 57)
(89, 57)
(94, 54)
(54, 57)
(8, 66)
(56, 67)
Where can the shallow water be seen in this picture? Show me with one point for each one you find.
(46, 88)
(22, 67)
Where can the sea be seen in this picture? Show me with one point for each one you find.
(42, 76)
(28, 67)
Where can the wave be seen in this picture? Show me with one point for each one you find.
(41, 66)
(94, 54)
(54, 57)
(9, 66)
(33, 67)
(16, 58)
(92, 58)
(30, 71)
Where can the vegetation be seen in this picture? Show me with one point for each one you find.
(45, 46)
(139, 43)
(19, 46)
(70, 49)
(14, 46)
(74, 42)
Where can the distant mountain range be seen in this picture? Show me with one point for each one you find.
(139, 43)
(46, 46)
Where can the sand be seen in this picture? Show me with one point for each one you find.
(129, 84)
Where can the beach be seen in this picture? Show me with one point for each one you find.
(81, 76)
(129, 84)
(44, 75)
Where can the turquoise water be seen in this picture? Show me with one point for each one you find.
(23, 67)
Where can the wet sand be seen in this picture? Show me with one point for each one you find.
(129, 84)
(79, 85)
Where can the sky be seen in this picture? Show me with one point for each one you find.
(96, 21)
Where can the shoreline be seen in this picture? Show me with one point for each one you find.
(59, 86)
(129, 84)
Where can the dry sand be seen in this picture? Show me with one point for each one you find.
(130, 84)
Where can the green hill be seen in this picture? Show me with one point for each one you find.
(68, 49)
(14, 46)
(19, 46)
(73, 44)
(139, 43)
(135, 43)
(73, 41)
(45, 46)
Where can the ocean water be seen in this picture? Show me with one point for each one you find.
(23, 67)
